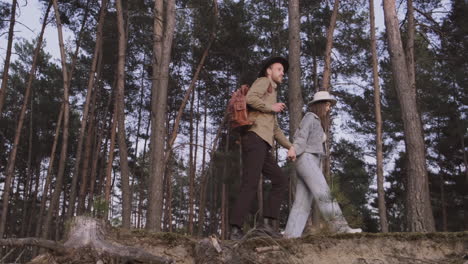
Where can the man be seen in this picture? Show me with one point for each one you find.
(257, 143)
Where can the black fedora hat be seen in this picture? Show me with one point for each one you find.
(271, 61)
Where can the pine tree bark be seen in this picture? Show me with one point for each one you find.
(378, 123)
(84, 119)
(124, 168)
(328, 48)
(6, 65)
(90, 137)
(156, 192)
(54, 202)
(9, 174)
(418, 206)
(294, 73)
(296, 101)
(326, 83)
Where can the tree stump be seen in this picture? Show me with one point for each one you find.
(86, 237)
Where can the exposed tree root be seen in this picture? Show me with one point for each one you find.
(87, 237)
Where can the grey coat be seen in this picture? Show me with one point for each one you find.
(309, 136)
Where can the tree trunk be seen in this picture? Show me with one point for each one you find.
(90, 137)
(6, 66)
(326, 84)
(32, 221)
(196, 147)
(84, 119)
(125, 171)
(294, 78)
(191, 166)
(28, 182)
(294, 73)
(45, 192)
(419, 211)
(465, 181)
(111, 152)
(155, 199)
(9, 174)
(224, 216)
(203, 178)
(93, 174)
(328, 48)
(54, 202)
(378, 122)
(192, 85)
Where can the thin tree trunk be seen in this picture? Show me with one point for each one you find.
(203, 178)
(315, 74)
(419, 211)
(378, 122)
(137, 139)
(125, 171)
(328, 48)
(191, 87)
(158, 131)
(191, 166)
(465, 162)
(28, 182)
(168, 200)
(223, 213)
(294, 79)
(91, 81)
(54, 202)
(110, 161)
(45, 192)
(84, 171)
(9, 175)
(93, 174)
(294, 73)
(31, 222)
(443, 202)
(6, 65)
(326, 84)
(196, 148)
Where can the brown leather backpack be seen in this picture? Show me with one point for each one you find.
(237, 108)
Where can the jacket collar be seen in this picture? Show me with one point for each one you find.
(313, 114)
(273, 84)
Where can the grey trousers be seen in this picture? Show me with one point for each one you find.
(312, 186)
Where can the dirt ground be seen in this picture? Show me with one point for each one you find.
(365, 248)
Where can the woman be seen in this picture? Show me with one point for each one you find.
(309, 142)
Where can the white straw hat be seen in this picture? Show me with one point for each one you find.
(323, 96)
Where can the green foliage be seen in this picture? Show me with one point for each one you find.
(5, 13)
(351, 184)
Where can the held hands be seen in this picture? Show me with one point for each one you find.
(278, 107)
(292, 154)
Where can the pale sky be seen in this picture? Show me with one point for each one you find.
(29, 26)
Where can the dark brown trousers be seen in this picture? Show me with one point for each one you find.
(256, 159)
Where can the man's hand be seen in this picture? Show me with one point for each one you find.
(292, 154)
(278, 107)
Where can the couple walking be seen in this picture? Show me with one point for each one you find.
(308, 147)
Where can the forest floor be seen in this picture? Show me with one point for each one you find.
(363, 248)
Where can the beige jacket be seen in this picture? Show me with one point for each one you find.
(265, 124)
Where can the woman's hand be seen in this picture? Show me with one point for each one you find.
(292, 154)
